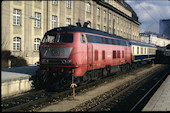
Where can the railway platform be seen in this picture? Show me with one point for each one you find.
(16, 80)
(160, 101)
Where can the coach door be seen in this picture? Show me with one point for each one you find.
(90, 56)
(125, 54)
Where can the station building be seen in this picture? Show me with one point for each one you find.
(23, 23)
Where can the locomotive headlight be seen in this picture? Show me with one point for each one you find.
(44, 61)
(66, 61)
(69, 61)
(63, 61)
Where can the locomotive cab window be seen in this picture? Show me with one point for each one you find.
(49, 39)
(65, 38)
(82, 38)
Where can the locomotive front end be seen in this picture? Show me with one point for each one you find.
(56, 59)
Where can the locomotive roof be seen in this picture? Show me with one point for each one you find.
(82, 29)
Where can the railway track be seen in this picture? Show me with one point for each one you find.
(38, 99)
(121, 101)
(139, 104)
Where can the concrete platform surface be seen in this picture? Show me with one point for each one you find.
(8, 74)
(16, 80)
(160, 101)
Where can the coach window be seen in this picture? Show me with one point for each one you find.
(82, 39)
(145, 50)
(114, 54)
(141, 50)
(133, 49)
(137, 50)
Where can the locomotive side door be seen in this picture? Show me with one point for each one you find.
(89, 56)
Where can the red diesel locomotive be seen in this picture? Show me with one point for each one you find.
(79, 54)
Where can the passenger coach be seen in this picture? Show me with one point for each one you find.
(142, 52)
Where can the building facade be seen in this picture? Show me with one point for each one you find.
(162, 41)
(24, 23)
(155, 39)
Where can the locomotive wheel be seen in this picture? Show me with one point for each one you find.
(38, 80)
(56, 81)
(104, 72)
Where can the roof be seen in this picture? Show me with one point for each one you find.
(134, 42)
(81, 29)
(134, 17)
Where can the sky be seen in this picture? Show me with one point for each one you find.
(150, 12)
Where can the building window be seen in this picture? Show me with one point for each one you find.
(68, 21)
(54, 21)
(17, 44)
(98, 11)
(104, 14)
(37, 22)
(109, 16)
(109, 29)
(118, 20)
(88, 7)
(36, 44)
(54, 2)
(98, 27)
(104, 28)
(68, 3)
(17, 17)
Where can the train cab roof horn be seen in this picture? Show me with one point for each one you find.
(86, 24)
(78, 24)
